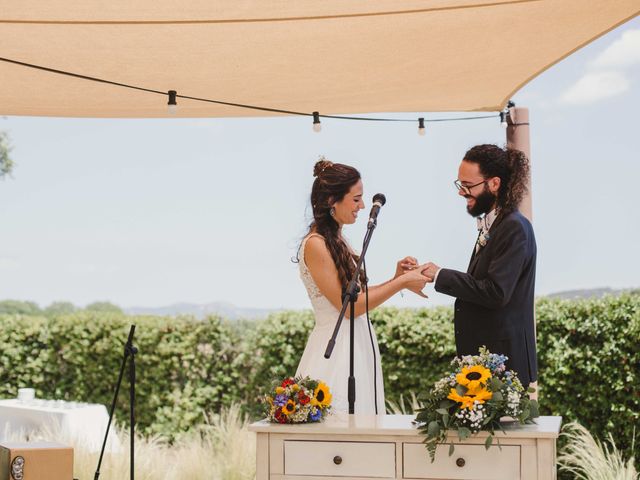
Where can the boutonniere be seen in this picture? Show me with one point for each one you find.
(483, 238)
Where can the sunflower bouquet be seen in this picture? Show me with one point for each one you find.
(474, 397)
(297, 400)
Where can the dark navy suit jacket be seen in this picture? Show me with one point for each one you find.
(495, 298)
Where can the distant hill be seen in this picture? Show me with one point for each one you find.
(223, 309)
(232, 312)
(590, 293)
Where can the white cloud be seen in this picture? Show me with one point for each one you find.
(624, 52)
(606, 77)
(594, 86)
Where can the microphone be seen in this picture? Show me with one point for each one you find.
(378, 201)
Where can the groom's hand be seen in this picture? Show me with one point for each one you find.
(405, 265)
(429, 270)
(414, 280)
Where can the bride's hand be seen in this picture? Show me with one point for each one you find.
(415, 281)
(405, 265)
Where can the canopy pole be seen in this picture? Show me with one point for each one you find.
(518, 137)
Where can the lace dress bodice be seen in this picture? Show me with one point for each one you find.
(325, 312)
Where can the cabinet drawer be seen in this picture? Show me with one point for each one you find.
(467, 462)
(340, 459)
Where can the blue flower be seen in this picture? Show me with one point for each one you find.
(496, 362)
(280, 400)
(315, 415)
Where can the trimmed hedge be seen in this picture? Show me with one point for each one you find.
(589, 355)
(184, 367)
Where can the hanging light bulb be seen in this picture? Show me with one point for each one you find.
(317, 127)
(172, 105)
(503, 119)
(421, 129)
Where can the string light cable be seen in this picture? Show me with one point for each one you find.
(172, 104)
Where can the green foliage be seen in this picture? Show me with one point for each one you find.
(19, 307)
(416, 347)
(103, 307)
(60, 308)
(589, 356)
(271, 350)
(6, 162)
(184, 366)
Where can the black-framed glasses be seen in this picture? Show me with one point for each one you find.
(466, 189)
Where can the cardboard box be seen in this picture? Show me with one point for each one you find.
(35, 461)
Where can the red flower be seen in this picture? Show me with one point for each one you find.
(304, 399)
(279, 416)
(286, 382)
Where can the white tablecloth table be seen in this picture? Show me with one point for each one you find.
(83, 424)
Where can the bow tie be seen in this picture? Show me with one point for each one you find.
(485, 222)
(483, 235)
(482, 224)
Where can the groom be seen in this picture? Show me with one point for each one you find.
(495, 297)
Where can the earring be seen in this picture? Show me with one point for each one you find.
(332, 212)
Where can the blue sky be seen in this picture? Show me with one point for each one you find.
(151, 212)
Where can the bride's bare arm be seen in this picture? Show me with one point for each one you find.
(325, 275)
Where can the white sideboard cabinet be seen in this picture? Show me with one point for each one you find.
(359, 447)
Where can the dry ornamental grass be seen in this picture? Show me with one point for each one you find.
(222, 450)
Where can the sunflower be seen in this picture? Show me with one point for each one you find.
(289, 407)
(480, 394)
(321, 396)
(468, 400)
(465, 401)
(455, 396)
(472, 377)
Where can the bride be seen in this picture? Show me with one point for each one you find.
(327, 264)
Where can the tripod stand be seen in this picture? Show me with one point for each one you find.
(130, 352)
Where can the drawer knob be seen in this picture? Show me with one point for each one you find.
(337, 459)
(460, 462)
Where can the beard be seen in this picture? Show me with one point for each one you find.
(484, 203)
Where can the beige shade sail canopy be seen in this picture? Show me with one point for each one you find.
(331, 56)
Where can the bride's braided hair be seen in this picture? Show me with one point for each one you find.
(333, 181)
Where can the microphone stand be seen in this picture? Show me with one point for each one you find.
(130, 352)
(349, 298)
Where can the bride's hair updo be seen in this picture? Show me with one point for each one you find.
(333, 181)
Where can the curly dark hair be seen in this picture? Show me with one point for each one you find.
(510, 165)
(333, 181)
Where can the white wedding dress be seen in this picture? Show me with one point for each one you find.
(335, 370)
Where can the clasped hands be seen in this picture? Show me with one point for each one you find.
(415, 275)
